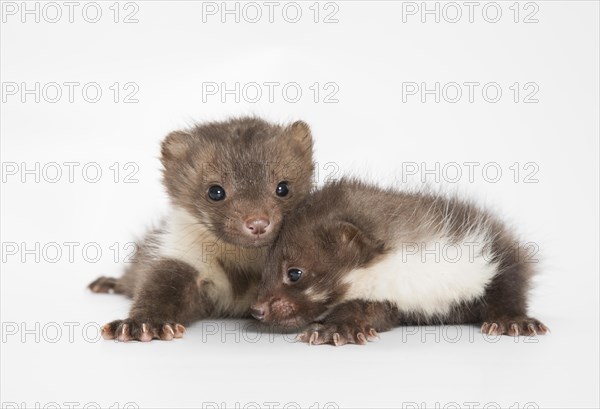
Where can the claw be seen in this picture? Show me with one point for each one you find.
(531, 328)
(336, 339)
(485, 327)
(373, 334)
(313, 338)
(124, 335)
(167, 333)
(543, 328)
(145, 336)
(493, 329)
(361, 338)
(106, 334)
(179, 330)
(515, 329)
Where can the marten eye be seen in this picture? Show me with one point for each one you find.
(282, 189)
(216, 193)
(294, 274)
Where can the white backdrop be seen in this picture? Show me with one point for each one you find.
(517, 104)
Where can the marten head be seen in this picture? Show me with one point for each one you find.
(239, 178)
(306, 266)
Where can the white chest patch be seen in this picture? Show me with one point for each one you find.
(426, 278)
(188, 240)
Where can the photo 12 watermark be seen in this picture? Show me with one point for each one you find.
(243, 332)
(50, 332)
(470, 172)
(53, 252)
(68, 405)
(253, 12)
(268, 405)
(70, 92)
(470, 12)
(273, 172)
(271, 91)
(473, 249)
(56, 12)
(469, 405)
(69, 172)
(470, 92)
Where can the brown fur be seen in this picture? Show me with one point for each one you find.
(349, 225)
(248, 157)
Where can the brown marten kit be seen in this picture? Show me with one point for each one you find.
(354, 260)
(246, 236)
(230, 184)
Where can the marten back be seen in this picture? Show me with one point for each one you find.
(432, 259)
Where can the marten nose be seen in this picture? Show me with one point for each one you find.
(257, 225)
(258, 311)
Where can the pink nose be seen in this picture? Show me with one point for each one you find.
(257, 225)
(259, 310)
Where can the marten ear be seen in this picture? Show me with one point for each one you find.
(299, 132)
(175, 146)
(353, 243)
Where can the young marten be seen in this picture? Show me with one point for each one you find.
(230, 185)
(355, 260)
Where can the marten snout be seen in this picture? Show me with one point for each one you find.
(259, 310)
(275, 310)
(256, 225)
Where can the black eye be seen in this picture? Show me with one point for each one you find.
(282, 189)
(216, 193)
(294, 274)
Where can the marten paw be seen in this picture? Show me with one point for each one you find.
(137, 330)
(338, 334)
(514, 327)
(103, 285)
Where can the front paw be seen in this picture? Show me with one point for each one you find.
(338, 334)
(132, 330)
(514, 327)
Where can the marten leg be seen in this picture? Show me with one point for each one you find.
(103, 285)
(504, 306)
(353, 322)
(167, 299)
(138, 267)
(126, 284)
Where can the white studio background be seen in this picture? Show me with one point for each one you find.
(364, 71)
